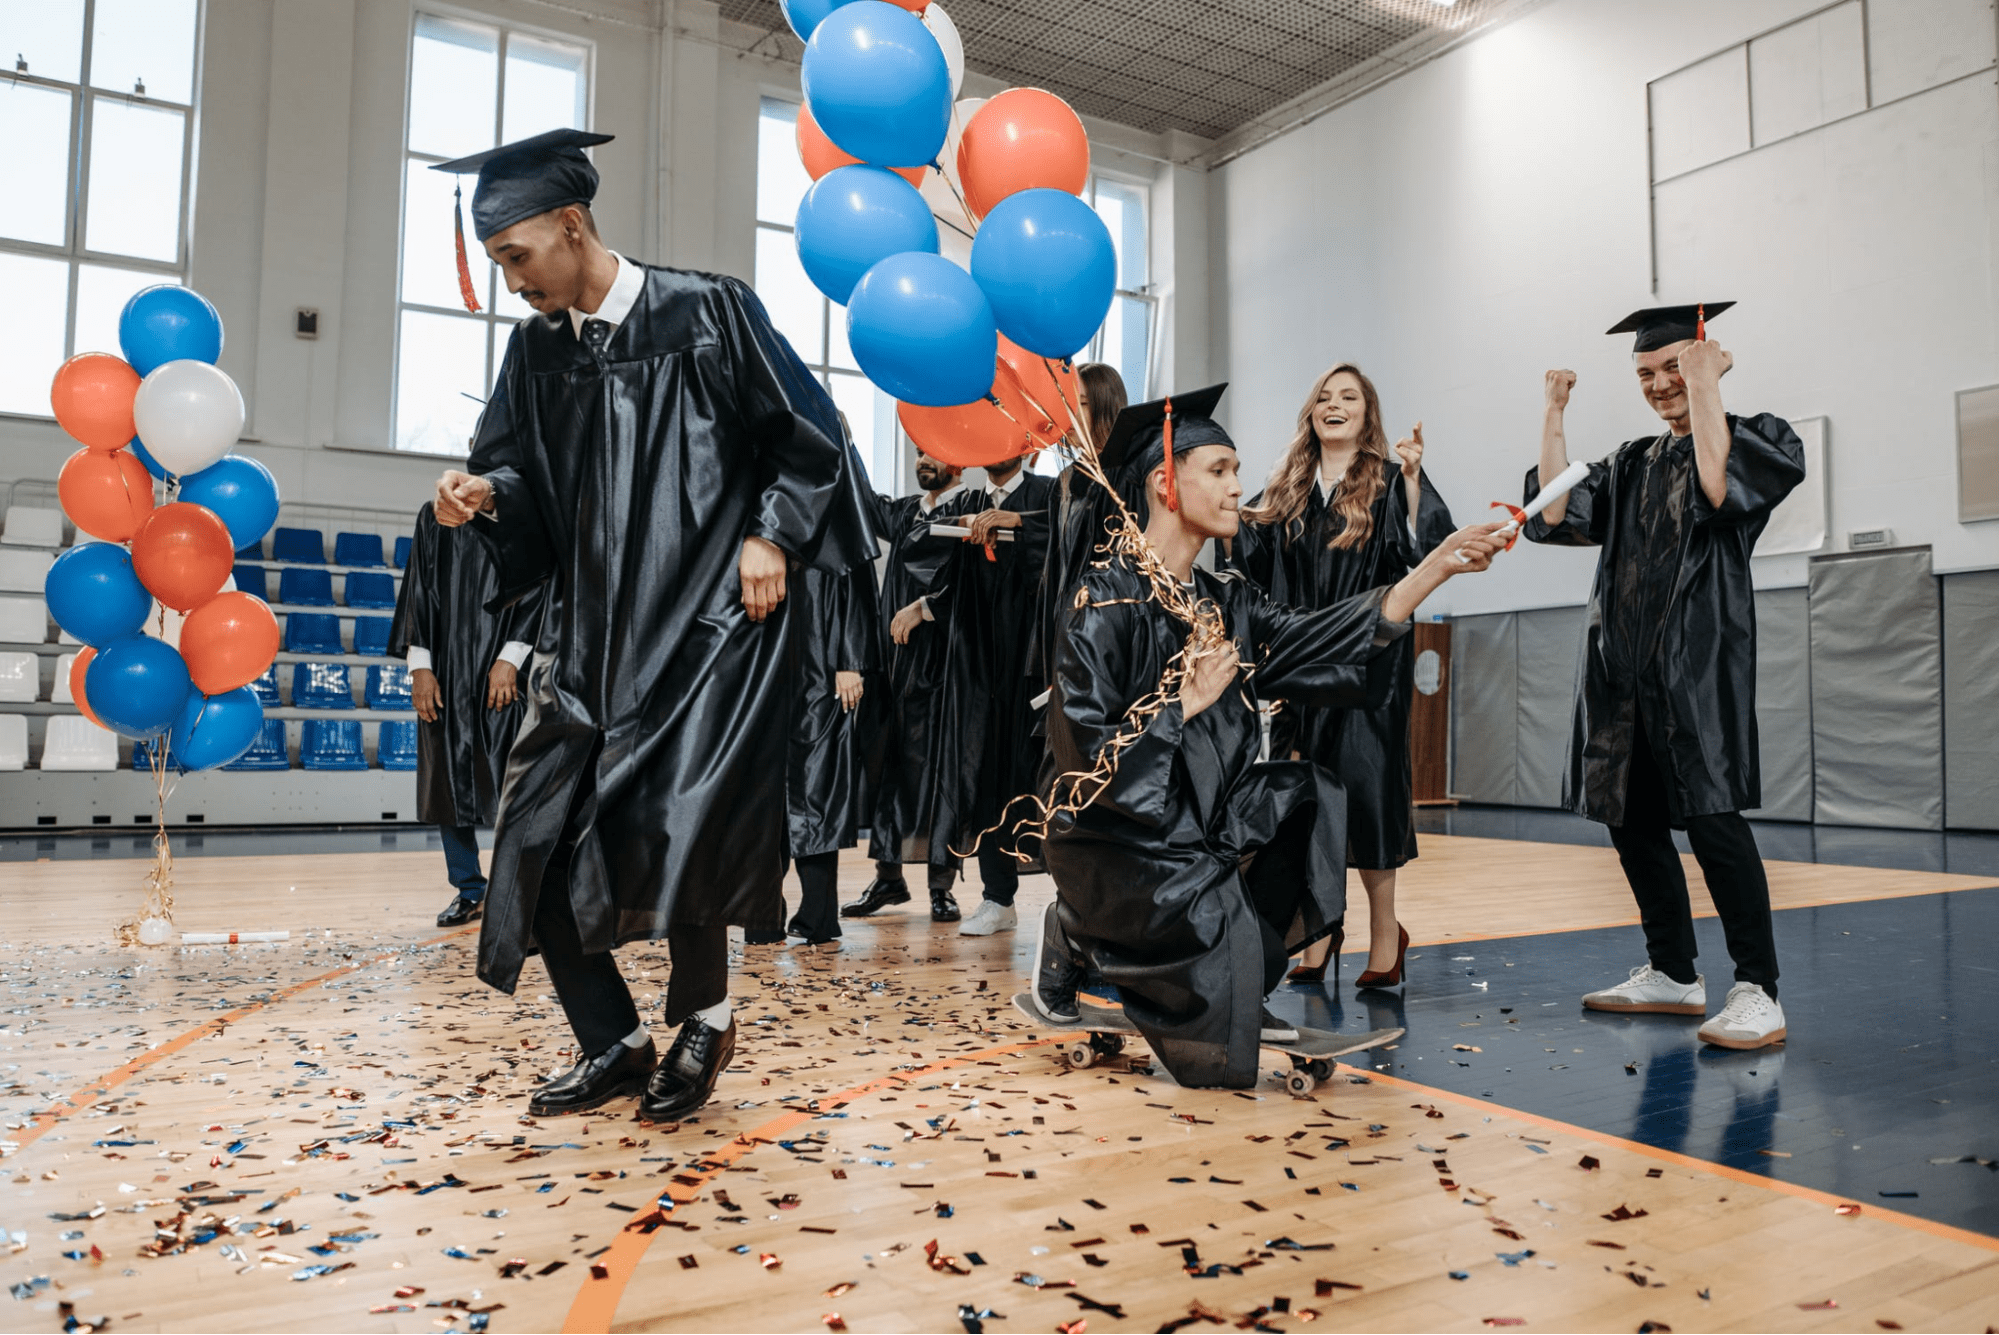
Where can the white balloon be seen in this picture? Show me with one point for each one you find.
(946, 32)
(943, 193)
(189, 414)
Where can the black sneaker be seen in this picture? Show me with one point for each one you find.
(1058, 975)
(1274, 1030)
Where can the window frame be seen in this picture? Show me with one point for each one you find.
(489, 316)
(76, 203)
(1147, 293)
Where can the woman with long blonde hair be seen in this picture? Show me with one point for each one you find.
(1341, 514)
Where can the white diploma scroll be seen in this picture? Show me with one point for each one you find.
(960, 531)
(1564, 483)
(231, 938)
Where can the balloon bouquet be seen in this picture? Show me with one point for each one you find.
(170, 646)
(953, 232)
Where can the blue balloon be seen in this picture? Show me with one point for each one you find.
(213, 730)
(95, 595)
(168, 324)
(852, 219)
(241, 492)
(877, 84)
(1045, 261)
(137, 449)
(806, 15)
(922, 330)
(137, 685)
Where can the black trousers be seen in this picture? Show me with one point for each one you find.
(1276, 884)
(1725, 847)
(999, 873)
(939, 878)
(818, 916)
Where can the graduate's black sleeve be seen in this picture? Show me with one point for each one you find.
(856, 630)
(415, 619)
(1254, 553)
(516, 532)
(1330, 657)
(1433, 521)
(1586, 523)
(521, 622)
(1096, 681)
(1765, 461)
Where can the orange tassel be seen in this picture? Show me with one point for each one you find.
(464, 266)
(1700, 323)
(1172, 481)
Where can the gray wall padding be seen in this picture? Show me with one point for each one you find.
(1784, 703)
(1485, 709)
(1550, 642)
(1971, 700)
(1877, 691)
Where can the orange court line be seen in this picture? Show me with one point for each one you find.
(82, 1099)
(596, 1304)
(1921, 1225)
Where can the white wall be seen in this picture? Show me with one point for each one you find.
(1480, 220)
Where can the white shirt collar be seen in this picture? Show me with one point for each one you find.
(617, 303)
(930, 503)
(1326, 488)
(1009, 487)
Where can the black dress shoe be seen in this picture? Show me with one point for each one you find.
(944, 906)
(613, 1073)
(687, 1077)
(815, 935)
(878, 896)
(461, 911)
(762, 938)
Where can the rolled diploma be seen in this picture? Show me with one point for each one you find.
(230, 938)
(960, 531)
(1564, 483)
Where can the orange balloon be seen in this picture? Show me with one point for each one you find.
(821, 155)
(92, 396)
(1043, 382)
(228, 641)
(987, 431)
(108, 496)
(1022, 139)
(913, 6)
(77, 672)
(183, 555)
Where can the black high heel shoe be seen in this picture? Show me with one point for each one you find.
(1388, 977)
(1316, 973)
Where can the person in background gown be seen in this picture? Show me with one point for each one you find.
(1342, 512)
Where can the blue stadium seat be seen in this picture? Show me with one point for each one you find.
(357, 549)
(321, 686)
(312, 633)
(371, 636)
(142, 754)
(305, 545)
(268, 751)
(389, 687)
(370, 590)
(266, 688)
(396, 749)
(306, 588)
(251, 580)
(402, 552)
(332, 744)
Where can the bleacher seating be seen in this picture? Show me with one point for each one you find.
(24, 571)
(305, 587)
(20, 676)
(371, 636)
(266, 688)
(369, 589)
(396, 748)
(312, 633)
(14, 741)
(388, 687)
(59, 693)
(75, 743)
(32, 526)
(306, 546)
(403, 552)
(23, 620)
(332, 744)
(267, 752)
(357, 549)
(251, 579)
(321, 686)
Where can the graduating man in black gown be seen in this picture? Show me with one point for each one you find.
(659, 458)
(1665, 723)
(1150, 874)
(464, 683)
(904, 717)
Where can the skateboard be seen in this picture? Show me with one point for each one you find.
(1106, 1030)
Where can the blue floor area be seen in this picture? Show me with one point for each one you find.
(263, 841)
(1892, 1062)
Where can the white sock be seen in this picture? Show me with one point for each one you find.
(715, 1016)
(638, 1038)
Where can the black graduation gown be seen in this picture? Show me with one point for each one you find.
(1081, 511)
(628, 479)
(461, 757)
(903, 720)
(1670, 638)
(983, 750)
(827, 793)
(1149, 876)
(1366, 750)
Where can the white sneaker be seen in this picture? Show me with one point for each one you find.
(1651, 992)
(1750, 1018)
(988, 919)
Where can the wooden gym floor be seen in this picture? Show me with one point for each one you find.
(329, 1135)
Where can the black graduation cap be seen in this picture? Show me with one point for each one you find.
(1656, 326)
(1148, 434)
(520, 180)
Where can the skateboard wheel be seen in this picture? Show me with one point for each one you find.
(1320, 1068)
(1109, 1045)
(1080, 1056)
(1298, 1082)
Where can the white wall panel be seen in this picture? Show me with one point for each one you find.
(1807, 73)
(1918, 44)
(1700, 114)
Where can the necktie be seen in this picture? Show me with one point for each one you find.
(596, 333)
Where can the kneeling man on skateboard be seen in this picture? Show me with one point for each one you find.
(1186, 868)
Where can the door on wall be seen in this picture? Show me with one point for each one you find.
(1430, 715)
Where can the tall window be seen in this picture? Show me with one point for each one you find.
(1125, 341)
(472, 87)
(97, 117)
